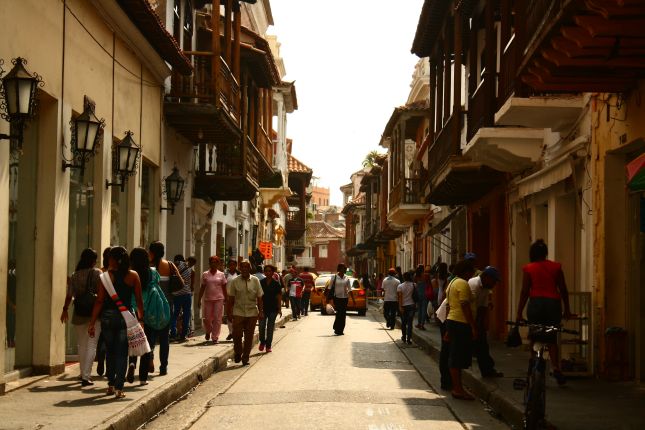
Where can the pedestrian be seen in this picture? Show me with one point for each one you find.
(231, 273)
(259, 272)
(212, 299)
(126, 284)
(340, 288)
(272, 299)
(472, 258)
(379, 286)
(308, 279)
(461, 327)
(481, 287)
(545, 289)
(245, 304)
(422, 284)
(165, 269)
(100, 348)
(390, 297)
(285, 290)
(82, 287)
(150, 291)
(367, 284)
(399, 274)
(183, 299)
(439, 284)
(405, 294)
(296, 288)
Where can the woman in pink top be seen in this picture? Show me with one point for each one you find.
(543, 286)
(213, 292)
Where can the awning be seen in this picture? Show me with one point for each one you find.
(636, 173)
(545, 178)
(443, 223)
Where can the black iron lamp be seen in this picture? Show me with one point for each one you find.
(125, 158)
(174, 189)
(87, 131)
(18, 99)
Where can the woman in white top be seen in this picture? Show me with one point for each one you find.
(405, 292)
(341, 287)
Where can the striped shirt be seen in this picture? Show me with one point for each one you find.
(186, 274)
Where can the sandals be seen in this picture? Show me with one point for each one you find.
(119, 394)
(110, 390)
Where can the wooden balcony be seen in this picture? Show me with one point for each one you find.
(590, 46)
(203, 108)
(295, 224)
(443, 147)
(507, 83)
(295, 246)
(481, 108)
(407, 201)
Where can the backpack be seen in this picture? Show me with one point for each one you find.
(84, 302)
(156, 309)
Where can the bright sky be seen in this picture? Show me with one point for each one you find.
(352, 65)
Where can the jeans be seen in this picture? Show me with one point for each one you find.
(389, 312)
(304, 303)
(340, 306)
(295, 307)
(144, 362)
(243, 326)
(406, 322)
(86, 348)
(163, 336)
(267, 325)
(182, 303)
(444, 355)
(116, 357)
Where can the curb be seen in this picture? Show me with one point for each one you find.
(487, 392)
(140, 411)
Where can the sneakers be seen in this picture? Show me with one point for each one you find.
(229, 337)
(238, 358)
(163, 371)
(130, 376)
(86, 382)
(269, 349)
(261, 347)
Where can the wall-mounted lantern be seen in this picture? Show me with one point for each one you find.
(18, 99)
(173, 189)
(87, 131)
(125, 158)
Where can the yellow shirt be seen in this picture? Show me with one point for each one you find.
(459, 291)
(246, 292)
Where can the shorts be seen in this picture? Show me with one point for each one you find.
(460, 345)
(547, 311)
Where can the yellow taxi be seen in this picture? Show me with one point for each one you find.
(357, 300)
(316, 294)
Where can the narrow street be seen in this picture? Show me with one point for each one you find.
(313, 379)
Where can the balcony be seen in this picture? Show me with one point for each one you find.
(506, 149)
(202, 108)
(559, 113)
(591, 46)
(306, 262)
(442, 148)
(295, 224)
(226, 171)
(407, 202)
(480, 108)
(294, 246)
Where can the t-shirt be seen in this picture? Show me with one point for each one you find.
(544, 275)
(407, 289)
(186, 274)
(296, 286)
(480, 294)
(341, 287)
(458, 292)
(285, 280)
(308, 278)
(246, 292)
(389, 286)
(214, 285)
(272, 289)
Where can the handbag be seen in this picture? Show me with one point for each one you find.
(331, 292)
(156, 307)
(444, 308)
(137, 340)
(84, 302)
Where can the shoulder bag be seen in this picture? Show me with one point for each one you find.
(137, 340)
(442, 311)
(176, 282)
(331, 292)
(155, 305)
(84, 302)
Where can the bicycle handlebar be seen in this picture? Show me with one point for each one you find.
(546, 328)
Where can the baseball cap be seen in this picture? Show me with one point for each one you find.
(492, 272)
(470, 256)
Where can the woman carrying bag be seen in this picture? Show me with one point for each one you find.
(125, 283)
(82, 287)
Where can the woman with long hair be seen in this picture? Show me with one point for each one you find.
(165, 268)
(82, 288)
(126, 284)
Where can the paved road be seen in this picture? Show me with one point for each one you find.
(315, 380)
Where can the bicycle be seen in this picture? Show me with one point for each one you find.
(535, 392)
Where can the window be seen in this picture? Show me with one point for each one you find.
(322, 251)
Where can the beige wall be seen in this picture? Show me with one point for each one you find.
(127, 99)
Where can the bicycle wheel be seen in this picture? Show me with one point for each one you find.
(535, 398)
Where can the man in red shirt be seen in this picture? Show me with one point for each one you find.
(308, 279)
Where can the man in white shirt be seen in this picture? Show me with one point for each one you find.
(341, 286)
(391, 304)
(481, 287)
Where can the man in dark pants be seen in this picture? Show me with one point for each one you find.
(481, 287)
(340, 284)
(391, 304)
